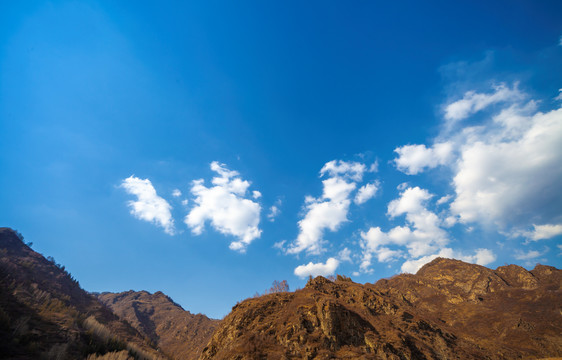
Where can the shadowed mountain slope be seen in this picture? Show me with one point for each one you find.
(178, 333)
(44, 314)
(448, 310)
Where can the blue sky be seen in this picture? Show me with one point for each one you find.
(144, 145)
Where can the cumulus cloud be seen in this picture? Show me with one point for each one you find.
(505, 170)
(480, 257)
(148, 206)
(413, 159)
(473, 102)
(330, 210)
(176, 193)
(511, 175)
(316, 269)
(226, 207)
(366, 192)
(422, 234)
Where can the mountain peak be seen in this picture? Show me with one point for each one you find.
(179, 334)
(449, 309)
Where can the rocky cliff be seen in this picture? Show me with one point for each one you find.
(448, 310)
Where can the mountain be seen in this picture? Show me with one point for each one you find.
(448, 310)
(44, 314)
(177, 332)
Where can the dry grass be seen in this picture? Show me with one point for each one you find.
(113, 343)
(121, 355)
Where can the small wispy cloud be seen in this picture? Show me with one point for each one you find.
(473, 102)
(531, 254)
(366, 192)
(273, 213)
(148, 206)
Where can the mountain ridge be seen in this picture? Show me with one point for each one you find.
(45, 313)
(178, 333)
(448, 310)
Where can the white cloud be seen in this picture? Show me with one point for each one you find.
(473, 102)
(348, 169)
(480, 257)
(226, 207)
(450, 221)
(422, 235)
(273, 212)
(345, 255)
(547, 231)
(559, 96)
(374, 166)
(330, 210)
(184, 202)
(366, 192)
(511, 175)
(280, 245)
(256, 194)
(529, 255)
(413, 159)
(148, 206)
(506, 170)
(176, 193)
(312, 269)
(444, 199)
(410, 201)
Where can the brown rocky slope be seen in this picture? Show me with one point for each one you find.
(178, 333)
(448, 310)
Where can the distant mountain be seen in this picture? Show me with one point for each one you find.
(448, 310)
(44, 314)
(177, 333)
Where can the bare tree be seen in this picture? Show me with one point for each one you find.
(278, 286)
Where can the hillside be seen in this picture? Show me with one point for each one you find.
(448, 310)
(177, 332)
(44, 314)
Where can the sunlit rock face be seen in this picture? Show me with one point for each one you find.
(449, 309)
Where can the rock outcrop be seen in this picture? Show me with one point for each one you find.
(448, 310)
